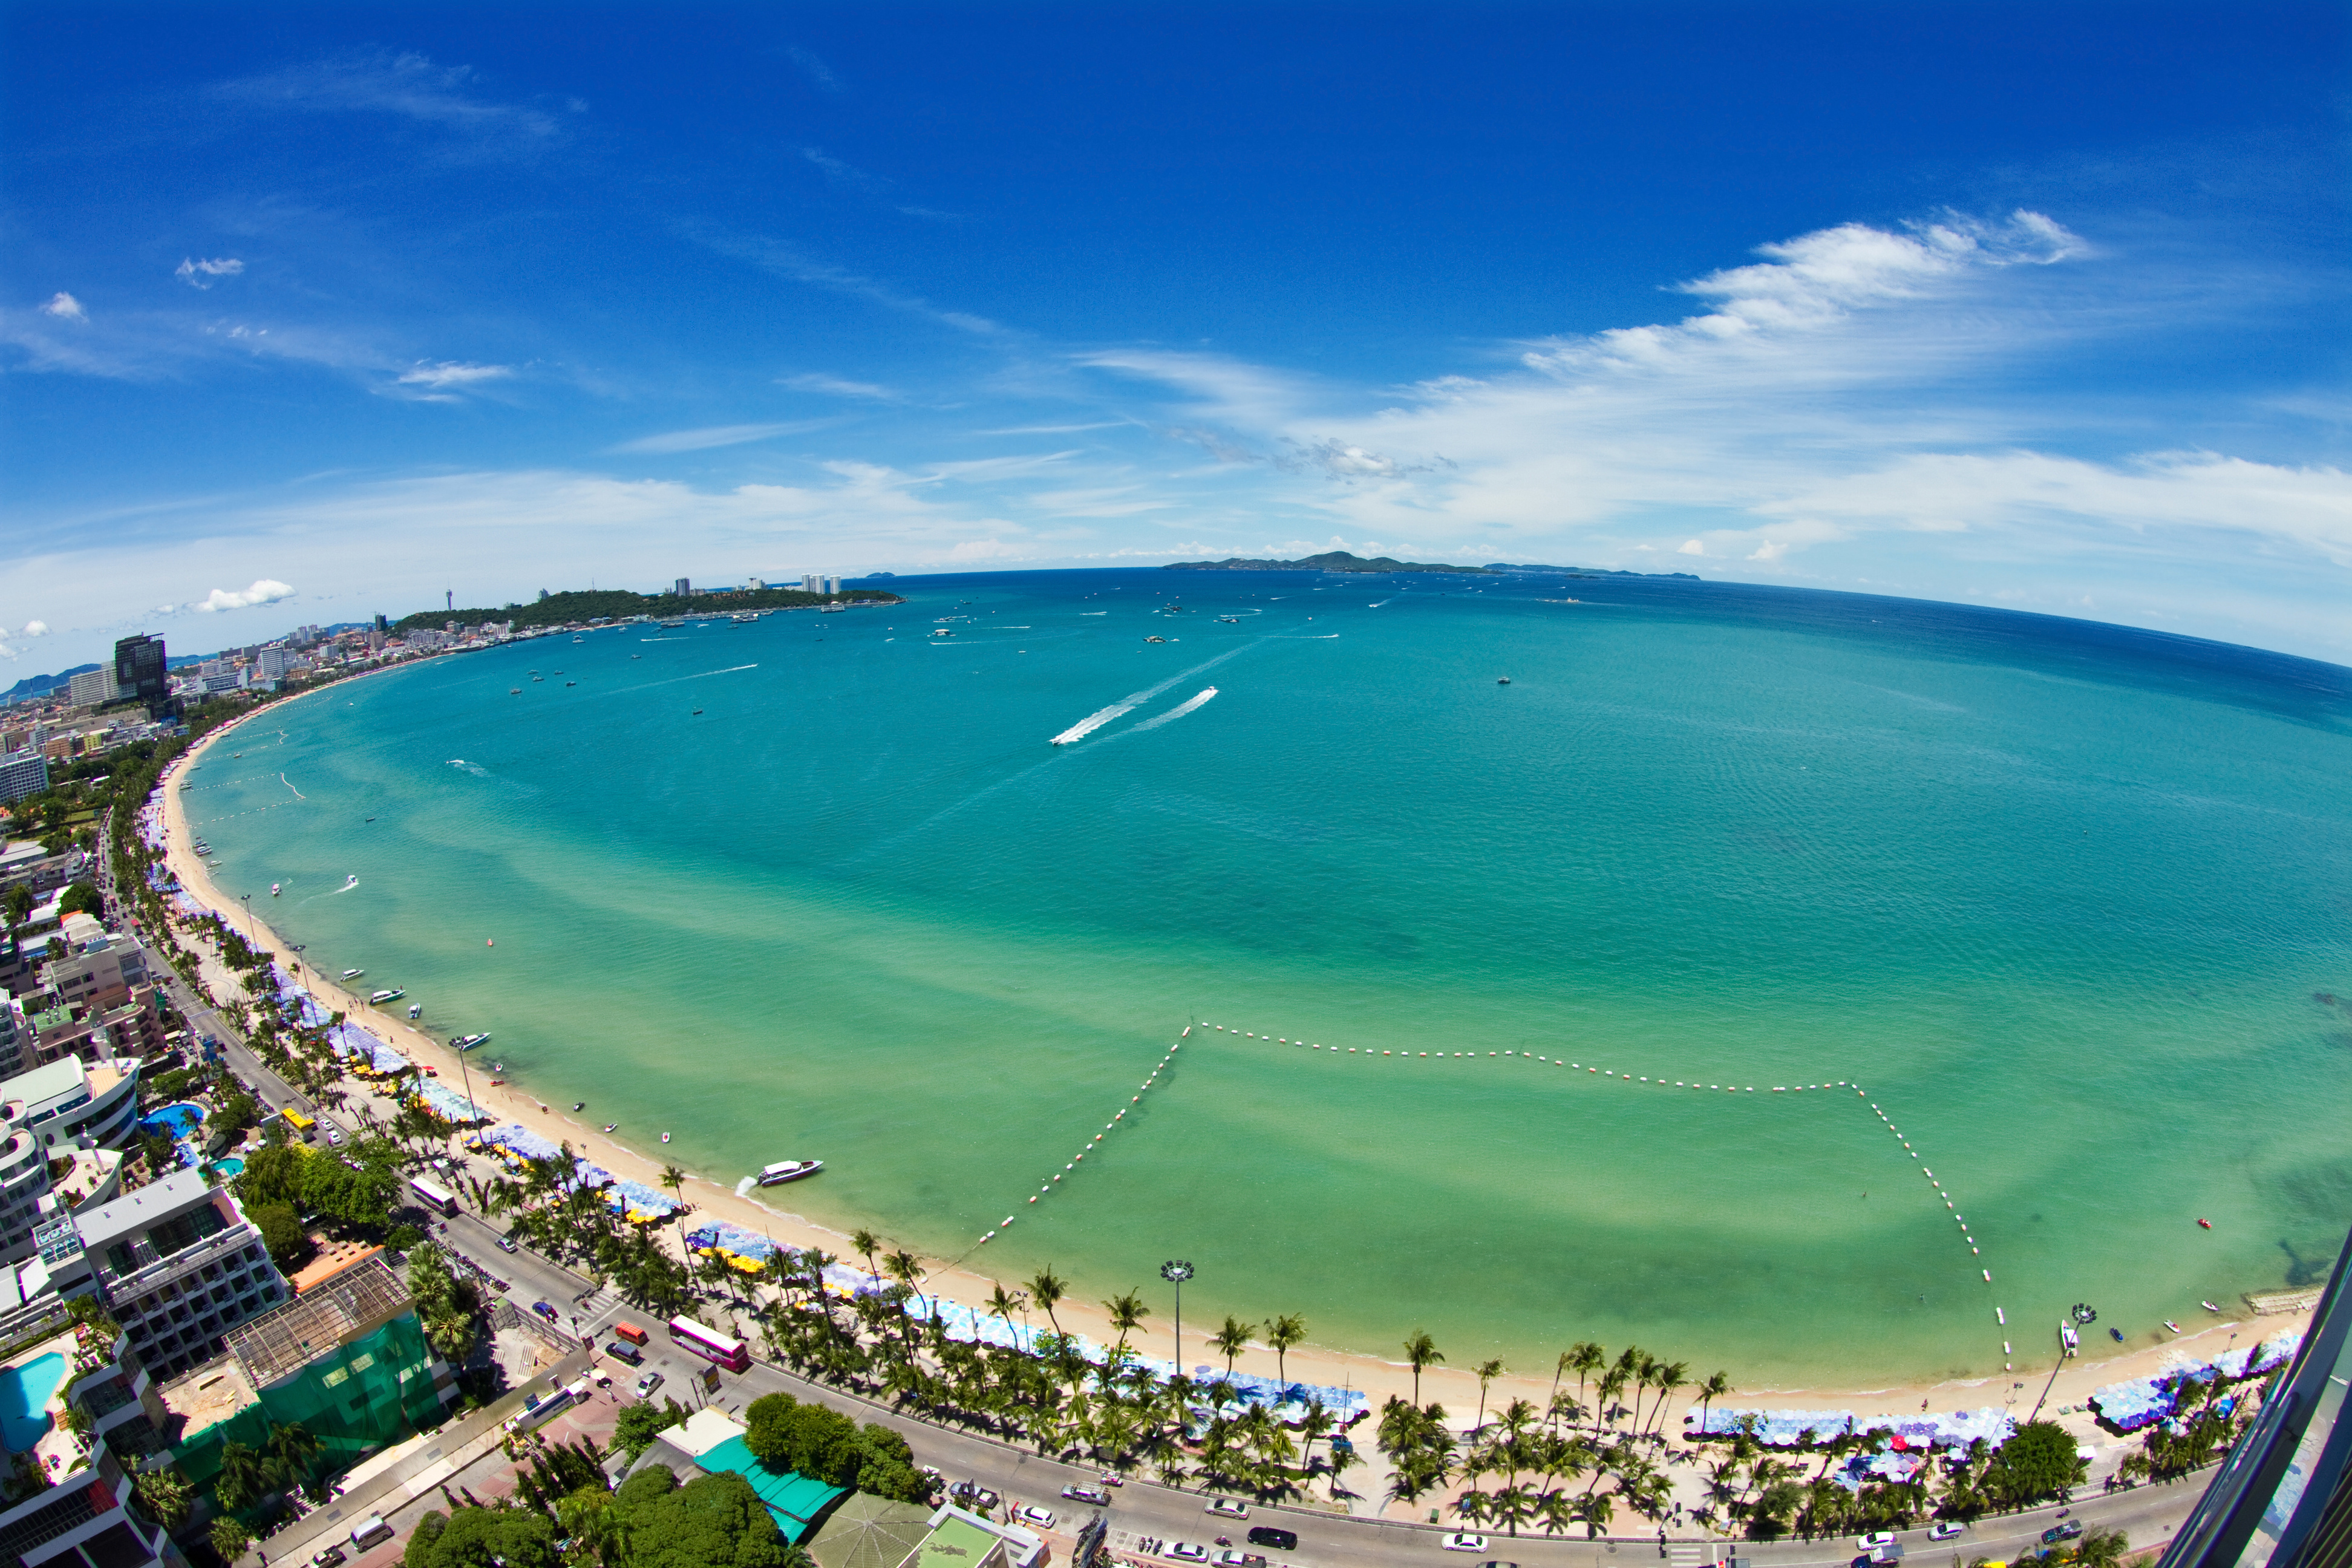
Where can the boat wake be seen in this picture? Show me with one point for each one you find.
(1102, 716)
(672, 680)
(1173, 713)
(289, 784)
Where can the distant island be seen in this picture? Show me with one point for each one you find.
(1589, 571)
(618, 605)
(1329, 560)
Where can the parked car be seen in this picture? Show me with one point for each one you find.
(1463, 1540)
(506, 1244)
(1030, 1513)
(973, 1495)
(1185, 1551)
(1109, 1479)
(623, 1350)
(1877, 1538)
(1226, 1508)
(1950, 1529)
(1281, 1540)
(1240, 1559)
(648, 1384)
(1093, 1495)
(332, 1557)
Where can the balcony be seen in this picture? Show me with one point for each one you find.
(151, 1269)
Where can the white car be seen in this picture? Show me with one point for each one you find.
(1877, 1538)
(1093, 1495)
(1226, 1508)
(1185, 1551)
(1463, 1540)
(1030, 1513)
(1950, 1529)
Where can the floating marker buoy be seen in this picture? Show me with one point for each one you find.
(490, 941)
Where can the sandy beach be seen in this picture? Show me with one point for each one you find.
(1456, 1386)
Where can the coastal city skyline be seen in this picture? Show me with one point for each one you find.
(2043, 326)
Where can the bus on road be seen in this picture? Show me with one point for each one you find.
(710, 1344)
(302, 1126)
(434, 1196)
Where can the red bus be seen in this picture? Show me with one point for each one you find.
(710, 1344)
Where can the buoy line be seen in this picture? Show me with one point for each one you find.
(1051, 1183)
(1610, 1075)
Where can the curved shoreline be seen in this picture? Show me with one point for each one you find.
(1377, 1376)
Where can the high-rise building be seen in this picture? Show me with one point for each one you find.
(22, 773)
(139, 672)
(683, 588)
(812, 584)
(92, 689)
(833, 584)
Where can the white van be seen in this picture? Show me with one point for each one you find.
(371, 1532)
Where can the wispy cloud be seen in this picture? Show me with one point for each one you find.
(64, 307)
(717, 436)
(204, 274)
(443, 381)
(835, 386)
(842, 173)
(819, 75)
(772, 256)
(408, 86)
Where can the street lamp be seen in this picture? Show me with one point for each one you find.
(1176, 1271)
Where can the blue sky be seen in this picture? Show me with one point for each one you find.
(310, 312)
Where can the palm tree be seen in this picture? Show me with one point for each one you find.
(1281, 1333)
(1421, 1351)
(293, 1454)
(1003, 1303)
(1584, 1357)
(674, 1179)
(1716, 1386)
(1666, 1379)
(242, 1481)
(867, 1243)
(1047, 1289)
(907, 1269)
(1127, 1314)
(1489, 1370)
(1233, 1339)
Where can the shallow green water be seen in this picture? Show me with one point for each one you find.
(2060, 896)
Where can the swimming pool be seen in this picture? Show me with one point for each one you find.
(25, 1394)
(229, 1168)
(172, 1121)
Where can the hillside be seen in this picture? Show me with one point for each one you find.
(619, 604)
(1329, 560)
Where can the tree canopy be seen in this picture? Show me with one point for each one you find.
(820, 1442)
(712, 1521)
(2039, 1462)
(503, 1534)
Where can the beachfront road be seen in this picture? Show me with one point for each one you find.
(2148, 1515)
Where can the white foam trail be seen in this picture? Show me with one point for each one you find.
(674, 679)
(1173, 713)
(1103, 716)
(289, 784)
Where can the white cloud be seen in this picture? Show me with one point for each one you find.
(64, 307)
(37, 628)
(716, 436)
(834, 385)
(1690, 547)
(265, 591)
(441, 382)
(407, 87)
(202, 274)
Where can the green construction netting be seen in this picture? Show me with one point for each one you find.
(795, 1501)
(355, 1399)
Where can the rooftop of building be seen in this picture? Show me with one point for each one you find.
(150, 1206)
(59, 1079)
(332, 1258)
(868, 1531)
(210, 1395)
(357, 1301)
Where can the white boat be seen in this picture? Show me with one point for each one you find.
(379, 998)
(273, 890)
(354, 879)
(354, 974)
(784, 1171)
(468, 1042)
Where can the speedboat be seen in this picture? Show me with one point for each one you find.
(2173, 1326)
(354, 974)
(784, 1171)
(664, 1137)
(379, 998)
(2208, 1306)
(352, 880)
(468, 1042)
(273, 890)
(609, 1126)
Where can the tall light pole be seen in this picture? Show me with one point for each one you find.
(1176, 1271)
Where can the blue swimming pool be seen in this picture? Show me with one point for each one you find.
(229, 1168)
(25, 1394)
(172, 1121)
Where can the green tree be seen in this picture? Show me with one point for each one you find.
(282, 1233)
(1127, 1315)
(1232, 1337)
(82, 898)
(1421, 1351)
(243, 1479)
(712, 1521)
(1489, 1370)
(230, 1539)
(503, 1535)
(166, 1497)
(1048, 1290)
(1282, 1334)
(2039, 1462)
(634, 1429)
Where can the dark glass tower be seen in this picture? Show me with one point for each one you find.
(138, 671)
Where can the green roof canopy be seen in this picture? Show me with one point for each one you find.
(794, 1500)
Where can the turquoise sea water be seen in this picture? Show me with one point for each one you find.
(2063, 898)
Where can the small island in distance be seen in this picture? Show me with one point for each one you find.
(1345, 561)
